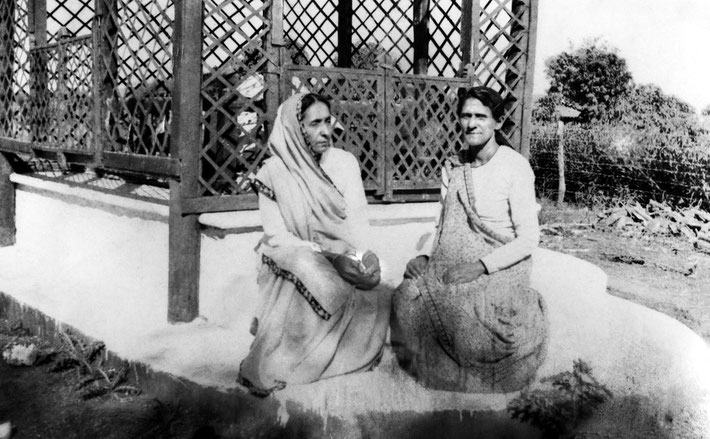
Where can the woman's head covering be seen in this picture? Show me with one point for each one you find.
(288, 143)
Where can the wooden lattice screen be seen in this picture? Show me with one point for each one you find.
(235, 65)
(185, 91)
(109, 73)
(68, 19)
(14, 71)
(136, 67)
(62, 99)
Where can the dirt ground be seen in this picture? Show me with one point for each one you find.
(664, 273)
(41, 403)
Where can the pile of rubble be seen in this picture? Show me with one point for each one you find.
(659, 219)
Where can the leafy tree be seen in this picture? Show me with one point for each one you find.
(647, 107)
(591, 78)
(705, 111)
(544, 107)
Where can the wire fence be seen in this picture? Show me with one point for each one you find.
(603, 163)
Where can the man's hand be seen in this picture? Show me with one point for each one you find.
(416, 267)
(461, 273)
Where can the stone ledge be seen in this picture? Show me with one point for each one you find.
(134, 206)
(245, 221)
(379, 215)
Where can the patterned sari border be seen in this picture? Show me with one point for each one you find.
(259, 187)
(302, 290)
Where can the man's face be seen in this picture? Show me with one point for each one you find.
(479, 125)
(317, 127)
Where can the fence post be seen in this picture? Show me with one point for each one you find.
(184, 229)
(387, 133)
(561, 187)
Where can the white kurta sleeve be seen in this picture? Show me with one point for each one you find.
(523, 214)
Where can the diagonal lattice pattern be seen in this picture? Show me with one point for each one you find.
(445, 40)
(384, 26)
(357, 107)
(14, 65)
(234, 61)
(501, 46)
(425, 130)
(312, 27)
(69, 19)
(62, 102)
(137, 60)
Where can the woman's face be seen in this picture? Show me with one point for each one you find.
(479, 125)
(317, 127)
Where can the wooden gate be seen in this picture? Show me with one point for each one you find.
(400, 127)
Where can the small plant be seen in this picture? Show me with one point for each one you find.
(558, 411)
(94, 379)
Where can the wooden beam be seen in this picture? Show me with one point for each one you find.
(159, 166)
(345, 33)
(14, 145)
(421, 37)
(184, 230)
(223, 203)
(219, 203)
(7, 204)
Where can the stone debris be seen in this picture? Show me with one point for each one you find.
(659, 219)
(5, 430)
(20, 354)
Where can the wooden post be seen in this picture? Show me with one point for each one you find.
(518, 77)
(345, 33)
(7, 204)
(37, 24)
(470, 24)
(275, 48)
(421, 37)
(184, 230)
(105, 70)
(387, 124)
(529, 76)
(561, 187)
(7, 62)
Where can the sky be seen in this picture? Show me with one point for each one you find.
(664, 42)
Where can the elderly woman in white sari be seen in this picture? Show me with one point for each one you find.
(322, 311)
